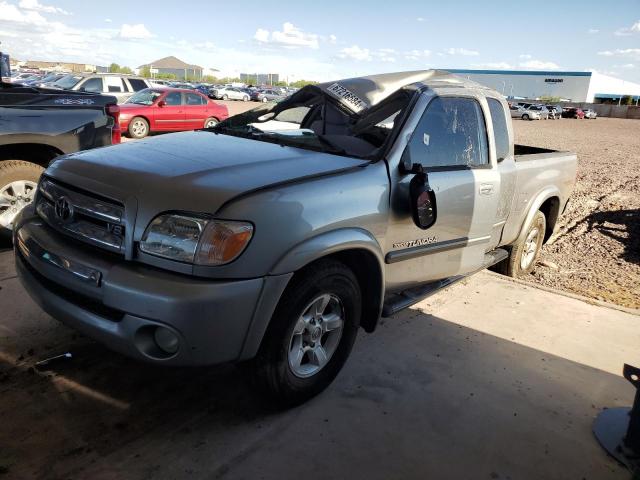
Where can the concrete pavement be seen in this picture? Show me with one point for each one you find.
(489, 380)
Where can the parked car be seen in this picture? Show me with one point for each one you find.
(517, 111)
(540, 109)
(119, 85)
(555, 112)
(248, 242)
(266, 96)
(168, 110)
(572, 112)
(41, 124)
(231, 93)
(590, 114)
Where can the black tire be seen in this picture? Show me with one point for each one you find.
(225, 97)
(17, 170)
(525, 117)
(134, 132)
(209, 120)
(512, 266)
(271, 368)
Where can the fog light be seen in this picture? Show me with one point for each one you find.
(166, 340)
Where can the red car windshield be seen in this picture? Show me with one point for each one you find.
(144, 97)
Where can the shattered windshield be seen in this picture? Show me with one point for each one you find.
(311, 119)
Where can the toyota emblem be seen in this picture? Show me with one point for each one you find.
(64, 209)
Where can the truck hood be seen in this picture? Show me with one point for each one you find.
(191, 171)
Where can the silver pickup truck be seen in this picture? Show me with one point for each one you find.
(272, 237)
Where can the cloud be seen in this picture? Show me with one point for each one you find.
(420, 19)
(525, 56)
(355, 53)
(261, 35)
(495, 65)
(539, 65)
(461, 51)
(35, 6)
(108, 20)
(333, 39)
(11, 14)
(626, 66)
(633, 53)
(626, 31)
(290, 37)
(416, 54)
(593, 30)
(136, 32)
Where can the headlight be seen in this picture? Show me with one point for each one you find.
(196, 240)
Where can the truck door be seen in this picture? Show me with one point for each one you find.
(451, 143)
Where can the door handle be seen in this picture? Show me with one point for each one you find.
(486, 189)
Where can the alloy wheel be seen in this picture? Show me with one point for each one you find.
(316, 335)
(13, 198)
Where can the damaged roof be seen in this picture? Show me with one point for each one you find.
(361, 93)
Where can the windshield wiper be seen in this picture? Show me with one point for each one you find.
(333, 147)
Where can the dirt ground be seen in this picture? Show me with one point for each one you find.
(596, 252)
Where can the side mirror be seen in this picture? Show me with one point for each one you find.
(162, 103)
(423, 199)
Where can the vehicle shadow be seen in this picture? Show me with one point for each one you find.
(620, 225)
(421, 398)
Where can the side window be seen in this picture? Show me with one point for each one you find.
(193, 99)
(451, 133)
(137, 84)
(173, 98)
(92, 85)
(114, 84)
(500, 130)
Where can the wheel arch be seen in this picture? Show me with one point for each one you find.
(548, 202)
(37, 153)
(356, 248)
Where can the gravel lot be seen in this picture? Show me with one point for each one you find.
(596, 252)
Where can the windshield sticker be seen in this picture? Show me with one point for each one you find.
(354, 102)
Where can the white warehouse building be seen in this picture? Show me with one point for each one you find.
(589, 87)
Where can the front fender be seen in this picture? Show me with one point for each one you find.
(534, 206)
(326, 244)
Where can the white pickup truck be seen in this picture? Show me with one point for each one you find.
(275, 235)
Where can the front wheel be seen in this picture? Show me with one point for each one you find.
(525, 117)
(225, 97)
(245, 98)
(523, 255)
(210, 122)
(311, 333)
(265, 99)
(18, 184)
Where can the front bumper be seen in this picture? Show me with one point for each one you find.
(121, 303)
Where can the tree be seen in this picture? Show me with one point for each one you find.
(114, 68)
(126, 70)
(626, 100)
(145, 71)
(303, 83)
(549, 99)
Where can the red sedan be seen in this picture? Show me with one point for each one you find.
(168, 110)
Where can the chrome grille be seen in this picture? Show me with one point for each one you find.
(82, 216)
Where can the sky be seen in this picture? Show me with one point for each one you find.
(330, 39)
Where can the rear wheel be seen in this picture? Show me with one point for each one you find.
(311, 333)
(138, 127)
(245, 98)
(225, 97)
(523, 255)
(525, 116)
(265, 99)
(18, 184)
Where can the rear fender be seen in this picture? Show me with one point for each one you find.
(535, 205)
